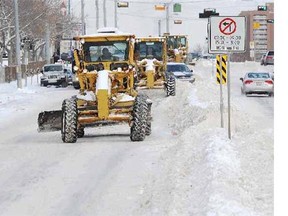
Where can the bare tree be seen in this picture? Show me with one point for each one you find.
(33, 18)
(198, 49)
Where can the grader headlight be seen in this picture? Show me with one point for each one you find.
(75, 68)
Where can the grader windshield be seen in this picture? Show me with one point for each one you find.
(105, 51)
(175, 42)
(149, 50)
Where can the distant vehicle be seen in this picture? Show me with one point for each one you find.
(69, 75)
(257, 83)
(268, 58)
(54, 74)
(5, 55)
(181, 71)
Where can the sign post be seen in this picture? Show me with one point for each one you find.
(227, 35)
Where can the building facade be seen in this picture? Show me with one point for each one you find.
(260, 33)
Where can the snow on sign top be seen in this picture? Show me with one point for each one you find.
(227, 34)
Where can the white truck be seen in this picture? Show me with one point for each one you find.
(54, 74)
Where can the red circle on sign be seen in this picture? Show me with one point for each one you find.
(229, 27)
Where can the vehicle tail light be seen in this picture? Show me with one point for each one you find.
(269, 82)
(269, 57)
(248, 81)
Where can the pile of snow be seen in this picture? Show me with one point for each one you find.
(187, 166)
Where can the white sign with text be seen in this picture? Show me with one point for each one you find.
(227, 34)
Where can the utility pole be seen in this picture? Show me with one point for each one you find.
(115, 13)
(104, 13)
(18, 63)
(82, 17)
(167, 17)
(97, 14)
(47, 43)
(159, 28)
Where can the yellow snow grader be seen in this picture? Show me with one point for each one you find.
(177, 47)
(151, 65)
(105, 68)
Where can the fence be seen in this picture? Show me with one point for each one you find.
(8, 73)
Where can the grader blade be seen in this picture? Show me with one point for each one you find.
(49, 121)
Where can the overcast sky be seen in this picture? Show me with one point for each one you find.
(142, 19)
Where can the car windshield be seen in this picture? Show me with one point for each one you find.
(258, 75)
(106, 51)
(177, 68)
(51, 68)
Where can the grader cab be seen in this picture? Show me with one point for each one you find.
(105, 68)
(177, 48)
(151, 65)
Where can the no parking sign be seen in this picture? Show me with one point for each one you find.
(227, 34)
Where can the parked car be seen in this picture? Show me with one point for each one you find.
(69, 75)
(257, 83)
(181, 71)
(268, 58)
(54, 74)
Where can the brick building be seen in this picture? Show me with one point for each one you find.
(260, 33)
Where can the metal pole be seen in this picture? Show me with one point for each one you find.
(82, 17)
(47, 44)
(229, 90)
(69, 7)
(167, 17)
(97, 14)
(159, 28)
(115, 16)
(221, 93)
(104, 13)
(17, 41)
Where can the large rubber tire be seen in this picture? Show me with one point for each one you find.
(69, 121)
(139, 119)
(149, 116)
(80, 132)
(171, 86)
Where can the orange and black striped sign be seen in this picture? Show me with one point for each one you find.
(221, 65)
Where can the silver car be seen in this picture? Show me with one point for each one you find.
(181, 71)
(268, 58)
(257, 83)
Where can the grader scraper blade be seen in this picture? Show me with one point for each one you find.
(49, 121)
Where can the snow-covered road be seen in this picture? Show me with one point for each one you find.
(187, 166)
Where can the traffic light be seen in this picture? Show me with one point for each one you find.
(270, 20)
(208, 12)
(177, 21)
(262, 8)
(160, 7)
(122, 4)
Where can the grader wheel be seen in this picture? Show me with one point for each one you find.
(69, 121)
(139, 121)
(171, 86)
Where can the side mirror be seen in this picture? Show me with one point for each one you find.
(241, 79)
(65, 70)
(41, 71)
(191, 70)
